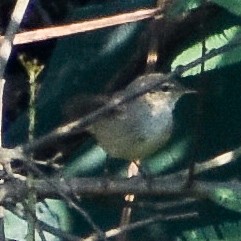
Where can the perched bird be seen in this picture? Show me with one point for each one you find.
(142, 126)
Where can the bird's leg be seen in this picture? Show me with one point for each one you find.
(133, 170)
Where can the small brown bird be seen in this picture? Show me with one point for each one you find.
(140, 127)
(144, 125)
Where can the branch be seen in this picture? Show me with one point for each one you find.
(16, 190)
(112, 232)
(139, 224)
(175, 186)
(41, 225)
(218, 161)
(5, 51)
(84, 26)
(211, 54)
(11, 31)
(170, 184)
(79, 125)
(212, 163)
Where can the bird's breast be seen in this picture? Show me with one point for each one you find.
(140, 130)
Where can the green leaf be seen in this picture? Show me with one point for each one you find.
(233, 6)
(86, 160)
(167, 158)
(212, 42)
(52, 212)
(183, 6)
(230, 231)
(226, 197)
(226, 194)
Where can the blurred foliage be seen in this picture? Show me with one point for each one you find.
(52, 212)
(108, 59)
(233, 6)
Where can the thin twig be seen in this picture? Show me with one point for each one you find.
(170, 184)
(77, 126)
(33, 69)
(5, 51)
(132, 226)
(212, 163)
(218, 161)
(66, 197)
(120, 100)
(112, 232)
(5, 155)
(16, 19)
(211, 54)
(46, 227)
(67, 129)
(2, 83)
(84, 26)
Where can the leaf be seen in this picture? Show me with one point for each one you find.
(89, 158)
(182, 6)
(229, 231)
(226, 197)
(53, 212)
(226, 194)
(167, 158)
(212, 42)
(233, 6)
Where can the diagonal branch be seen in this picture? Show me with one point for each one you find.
(5, 51)
(139, 224)
(117, 100)
(11, 31)
(84, 26)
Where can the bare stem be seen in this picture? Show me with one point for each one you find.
(83, 26)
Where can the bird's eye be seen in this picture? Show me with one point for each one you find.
(166, 87)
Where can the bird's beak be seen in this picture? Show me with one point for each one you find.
(185, 90)
(190, 91)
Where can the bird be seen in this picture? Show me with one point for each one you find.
(142, 126)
